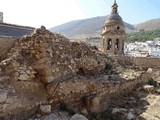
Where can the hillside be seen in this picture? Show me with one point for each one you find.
(84, 28)
(153, 24)
(142, 36)
(89, 30)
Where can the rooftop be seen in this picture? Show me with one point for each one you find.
(14, 30)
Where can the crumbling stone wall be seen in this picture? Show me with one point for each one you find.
(94, 94)
(39, 60)
(6, 43)
(143, 62)
(52, 57)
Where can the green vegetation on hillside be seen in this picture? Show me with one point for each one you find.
(142, 36)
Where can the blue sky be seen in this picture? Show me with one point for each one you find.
(132, 11)
(55, 12)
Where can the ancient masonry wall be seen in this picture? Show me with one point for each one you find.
(95, 95)
(37, 61)
(77, 92)
(143, 62)
(6, 43)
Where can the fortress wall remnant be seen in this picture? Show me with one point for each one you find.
(37, 61)
(6, 43)
(95, 95)
(143, 62)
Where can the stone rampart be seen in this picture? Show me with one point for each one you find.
(93, 94)
(143, 62)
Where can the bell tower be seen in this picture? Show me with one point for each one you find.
(113, 33)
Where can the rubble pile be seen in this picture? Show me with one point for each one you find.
(51, 56)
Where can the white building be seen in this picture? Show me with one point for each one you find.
(144, 49)
(154, 51)
(157, 41)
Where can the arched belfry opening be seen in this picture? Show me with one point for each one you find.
(109, 44)
(113, 33)
(117, 44)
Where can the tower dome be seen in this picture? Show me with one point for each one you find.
(114, 16)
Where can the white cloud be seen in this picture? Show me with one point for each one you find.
(40, 12)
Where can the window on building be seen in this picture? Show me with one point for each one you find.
(109, 44)
(118, 28)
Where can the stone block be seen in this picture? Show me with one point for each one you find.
(148, 88)
(28, 72)
(118, 110)
(23, 77)
(48, 79)
(45, 109)
(78, 117)
(51, 117)
(95, 104)
(84, 111)
(130, 116)
(149, 70)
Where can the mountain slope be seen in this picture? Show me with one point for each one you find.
(84, 28)
(91, 27)
(153, 24)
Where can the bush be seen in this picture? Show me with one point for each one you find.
(108, 66)
(142, 36)
(94, 116)
(63, 107)
(107, 115)
(152, 82)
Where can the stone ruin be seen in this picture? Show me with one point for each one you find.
(50, 57)
(47, 69)
(37, 64)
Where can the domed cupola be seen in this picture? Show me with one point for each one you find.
(114, 16)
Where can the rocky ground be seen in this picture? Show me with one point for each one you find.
(138, 106)
(142, 104)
